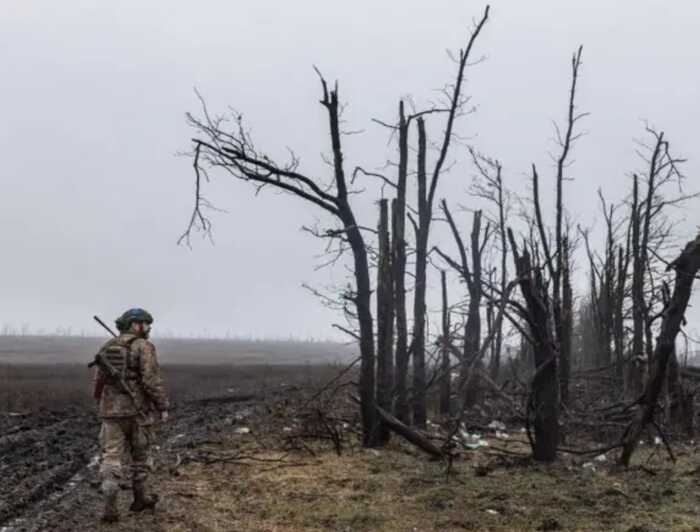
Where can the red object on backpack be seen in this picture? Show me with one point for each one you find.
(99, 386)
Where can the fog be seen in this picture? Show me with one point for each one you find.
(93, 96)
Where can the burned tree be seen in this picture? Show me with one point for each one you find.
(686, 267)
(543, 402)
(427, 186)
(398, 250)
(472, 277)
(489, 186)
(554, 253)
(445, 373)
(385, 319)
(233, 151)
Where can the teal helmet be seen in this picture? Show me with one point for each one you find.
(124, 321)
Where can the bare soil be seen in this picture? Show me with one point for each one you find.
(234, 457)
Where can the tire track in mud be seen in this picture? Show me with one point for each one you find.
(39, 455)
(49, 469)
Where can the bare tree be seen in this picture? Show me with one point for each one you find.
(543, 402)
(686, 267)
(398, 213)
(427, 187)
(385, 319)
(445, 373)
(489, 186)
(232, 150)
(473, 279)
(554, 254)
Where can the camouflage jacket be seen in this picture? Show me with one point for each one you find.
(136, 359)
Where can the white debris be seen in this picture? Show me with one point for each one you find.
(522, 430)
(497, 425)
(287, 429)
(502, 435)
(472, 440)
(346, 425)
(600, 458)
(242, 430)
(657, 440)
(589, 466)
(491, 512)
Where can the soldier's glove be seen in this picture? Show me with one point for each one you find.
(164, 416)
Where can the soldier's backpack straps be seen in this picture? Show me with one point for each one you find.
(128, 366)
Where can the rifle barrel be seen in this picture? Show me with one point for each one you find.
(98, 320)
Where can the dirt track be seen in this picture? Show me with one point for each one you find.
(49, 468)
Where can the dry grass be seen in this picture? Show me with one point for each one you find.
(395, 490)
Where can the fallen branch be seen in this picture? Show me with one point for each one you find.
(409, 434)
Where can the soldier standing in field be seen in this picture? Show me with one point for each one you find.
(127, 418)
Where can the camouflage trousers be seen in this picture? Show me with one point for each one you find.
(119, 436)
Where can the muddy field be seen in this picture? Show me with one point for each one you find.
(49, 461)
(48, 428)
(245, 451)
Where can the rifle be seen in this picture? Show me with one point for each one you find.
(114, 376)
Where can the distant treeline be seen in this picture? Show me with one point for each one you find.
(18, 349)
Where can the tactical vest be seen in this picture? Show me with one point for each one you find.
(122, 358)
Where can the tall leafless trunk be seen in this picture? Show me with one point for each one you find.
(472, 328)
(618, 313)
(445, 373)
(471, 357)
(423, 231)
(544, 397)
(567, 323)
(385, 319)
(426, 195)
(235, 152)
(686, 267)
(398, 213)
(489, 186)
(554, 255)
(638, 305)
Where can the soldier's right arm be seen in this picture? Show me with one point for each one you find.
(151, 380)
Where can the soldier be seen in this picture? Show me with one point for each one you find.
(127, 419)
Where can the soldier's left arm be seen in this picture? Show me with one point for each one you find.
(151, 379)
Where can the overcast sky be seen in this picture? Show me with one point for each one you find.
(93, 96)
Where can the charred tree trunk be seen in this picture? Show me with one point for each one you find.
(567, 323)
(234, 151)
(398, 213)
(472, 363)
(618, 316)
(385, 319)
(445, 373)
(686, 267)
(418, 345)
(638, 314)
(544, 397)
(426, 196)
(498, 345)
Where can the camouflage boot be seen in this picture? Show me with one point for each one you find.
(110, 490)
(142, 500)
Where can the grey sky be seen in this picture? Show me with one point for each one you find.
(93, 96)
